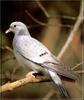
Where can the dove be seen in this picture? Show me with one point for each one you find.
(31, 53)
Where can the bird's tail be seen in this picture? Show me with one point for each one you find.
(63, 91)
(56, 79)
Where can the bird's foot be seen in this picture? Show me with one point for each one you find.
(38, 74)
(34, 74)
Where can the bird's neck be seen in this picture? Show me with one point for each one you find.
(22, 32)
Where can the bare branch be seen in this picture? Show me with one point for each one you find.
(28, 79)
(34, 19)
(42, 8)
(73, 31)
(60, 25)
(64, 17)
(47, 14)
(77, 65)
(8, 48)
(79, 71)
(42, 23)
(7, 59)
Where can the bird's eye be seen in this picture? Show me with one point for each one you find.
(14, 25)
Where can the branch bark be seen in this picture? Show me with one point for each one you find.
(30, 78)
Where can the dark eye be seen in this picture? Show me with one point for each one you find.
(14, 25)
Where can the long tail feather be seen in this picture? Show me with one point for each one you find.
(63, 91)
(59, 84)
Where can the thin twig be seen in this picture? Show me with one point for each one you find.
(68, 26)
(60, 25)
(77, 65)
(73, 31)
(7, 59)
(42, 23)
(79, 71)
(8, 48)
(42, 8)
(64, 17)
(47, 14)
(34, 19)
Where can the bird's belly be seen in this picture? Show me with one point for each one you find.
(27, 63)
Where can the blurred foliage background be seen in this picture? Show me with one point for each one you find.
(53, 31)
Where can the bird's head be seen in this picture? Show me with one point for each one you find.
(16, 27)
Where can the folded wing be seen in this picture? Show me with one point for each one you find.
(36, 52)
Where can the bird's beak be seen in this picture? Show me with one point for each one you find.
(7, 31)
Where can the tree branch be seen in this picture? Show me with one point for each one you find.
(44, 24)
(42, 8)
(30, 78)
(34, 19)
(73, 31)
(79, 71)
(77, 65)
(49, 16)
(8, 48)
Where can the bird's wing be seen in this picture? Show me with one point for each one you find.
(36, 52)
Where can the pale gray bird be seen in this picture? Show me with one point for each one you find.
(33, 54)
